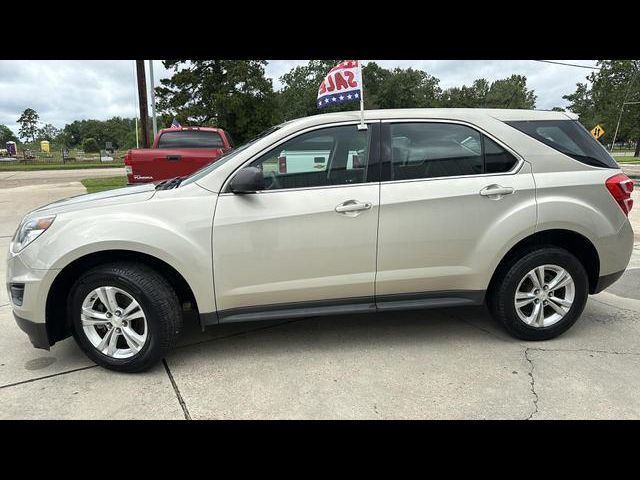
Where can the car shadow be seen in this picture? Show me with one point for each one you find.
(338, 331)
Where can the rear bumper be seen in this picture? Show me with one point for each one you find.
(37, 332)
(605, 281)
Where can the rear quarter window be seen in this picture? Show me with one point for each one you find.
(190, 139)
(568, 137)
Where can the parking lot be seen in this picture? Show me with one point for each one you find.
(446, 363)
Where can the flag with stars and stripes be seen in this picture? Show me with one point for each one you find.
(342, 84)
(175, 123)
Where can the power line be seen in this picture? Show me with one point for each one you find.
(569, 64)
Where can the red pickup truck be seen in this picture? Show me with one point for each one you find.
(176, 152)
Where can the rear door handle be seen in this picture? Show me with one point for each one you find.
(496, 191)
(174, 157)
(351, 206)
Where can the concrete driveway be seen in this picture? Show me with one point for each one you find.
(448, 363)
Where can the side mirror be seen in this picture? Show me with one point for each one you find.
(247, 180)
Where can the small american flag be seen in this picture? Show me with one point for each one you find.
(175, 123)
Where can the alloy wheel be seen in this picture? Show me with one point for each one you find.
(544, 296)
(114, 322)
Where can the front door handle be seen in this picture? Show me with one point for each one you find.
(351, 206)
(496, 191)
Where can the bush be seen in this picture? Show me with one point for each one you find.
(90, 145)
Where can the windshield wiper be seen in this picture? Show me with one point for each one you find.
(169, 184)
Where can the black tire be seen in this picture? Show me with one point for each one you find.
(501, 300)
(157, 299)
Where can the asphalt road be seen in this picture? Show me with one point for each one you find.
(447, 363)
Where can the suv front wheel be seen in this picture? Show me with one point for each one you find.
(541, 294)
(125, 316)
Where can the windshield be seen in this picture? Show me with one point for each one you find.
(198, 174)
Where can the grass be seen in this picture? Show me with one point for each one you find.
(629, 160)
(22, 167)
(106, 183)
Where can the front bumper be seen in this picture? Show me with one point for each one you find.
(30, 313)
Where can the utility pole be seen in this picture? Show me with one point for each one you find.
(624, 102)
(153, 100)
(142, 98)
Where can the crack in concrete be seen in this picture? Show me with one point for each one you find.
(580, 350)
(47, 376)
(615, 306)
(536, 397)
(183, 405)
(533, 384)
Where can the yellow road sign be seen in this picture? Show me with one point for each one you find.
(597, 131)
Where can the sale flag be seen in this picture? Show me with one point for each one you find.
(342, 84)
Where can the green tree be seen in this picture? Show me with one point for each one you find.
(408, 88)
(600, 101)
(90, 145)
(28, 122)
(48, 132)
(232, 94)
(510, 92)
(374, 77)
(474, 96)
(6, 135)
(300, 90)
(117, 130)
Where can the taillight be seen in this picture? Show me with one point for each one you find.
(128, 170)
(620, 186)
(282, 164)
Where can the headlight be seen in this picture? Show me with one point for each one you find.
(28, 231)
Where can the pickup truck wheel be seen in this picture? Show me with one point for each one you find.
(541, 294)
(125, 316)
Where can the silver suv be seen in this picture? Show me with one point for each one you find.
(421, 208)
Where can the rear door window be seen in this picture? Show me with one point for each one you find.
(431, 150)
(568, 137)
(496, 158)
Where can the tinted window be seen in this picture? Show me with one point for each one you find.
(568, 137)
(330, 156)
(190, 139)
(428, 150)
(496, 158)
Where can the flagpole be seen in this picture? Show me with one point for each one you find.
(362, 125)
(153, 99)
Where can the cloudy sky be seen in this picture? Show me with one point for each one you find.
(63, 91)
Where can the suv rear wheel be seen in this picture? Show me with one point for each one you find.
(541, 294)
(125, 316)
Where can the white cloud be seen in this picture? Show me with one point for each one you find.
(65, 90)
